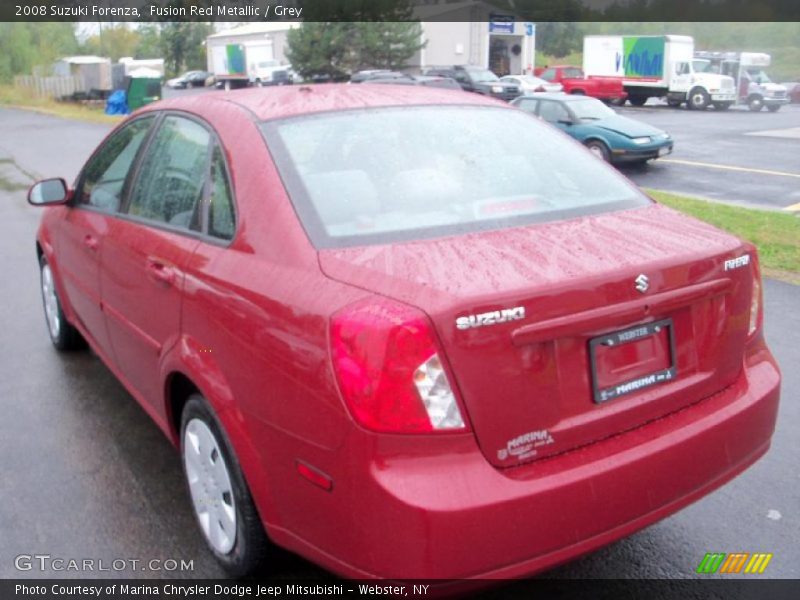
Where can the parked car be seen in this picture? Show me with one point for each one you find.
(423, 80)
(478, 80)
(610, 136)
(573, 80)
(792, 91)
(530, 84)
(371, 74)
(190, 79)
(389, 339)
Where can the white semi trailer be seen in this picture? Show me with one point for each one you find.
(658, 66)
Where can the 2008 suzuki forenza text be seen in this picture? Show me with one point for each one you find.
(407, 333)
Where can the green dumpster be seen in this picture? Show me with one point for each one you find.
(143, 89)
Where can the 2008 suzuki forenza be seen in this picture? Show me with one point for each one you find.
(407, 333)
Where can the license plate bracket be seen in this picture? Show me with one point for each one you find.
(652, 343)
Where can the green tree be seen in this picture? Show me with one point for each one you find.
(24, 46)
(182, 45)
(112, 41)
(149, 43)
(337, 49)
(558, 39)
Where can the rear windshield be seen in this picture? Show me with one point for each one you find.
(374, 176)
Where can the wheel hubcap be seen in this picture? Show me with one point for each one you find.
(210, 486)
(596, 151)
(699, 100)
(50, 302)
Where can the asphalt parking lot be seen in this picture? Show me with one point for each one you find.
(87, 474)
(733, 156)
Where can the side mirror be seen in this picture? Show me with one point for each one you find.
(48, 192)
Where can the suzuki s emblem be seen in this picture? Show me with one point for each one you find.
(642, 283)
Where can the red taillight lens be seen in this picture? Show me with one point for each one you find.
(389, 369)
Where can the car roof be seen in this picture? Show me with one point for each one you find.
(293, 100)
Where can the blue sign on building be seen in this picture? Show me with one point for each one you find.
(501, 23)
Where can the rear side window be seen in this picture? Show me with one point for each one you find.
(573, 73)
(553, 112)
(529, 105)
(221, 218)
(105, 175)
(379, 175)
(172, 177)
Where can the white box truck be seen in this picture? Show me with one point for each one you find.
(237, 64)
(657, 66)
(753, 85)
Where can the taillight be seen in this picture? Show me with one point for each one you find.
(390, 370)
(755, 301)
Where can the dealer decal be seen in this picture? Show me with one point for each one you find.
(526, 445)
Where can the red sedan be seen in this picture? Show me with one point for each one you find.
(407, 332)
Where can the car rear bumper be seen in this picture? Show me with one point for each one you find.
(444, 515)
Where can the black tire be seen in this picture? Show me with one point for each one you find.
(599, 149)
(64, 336)
(755, 103)
(617, 101)
(722, 105)
(698, 99)
(774, 107)
(251, 546)
(638, 100)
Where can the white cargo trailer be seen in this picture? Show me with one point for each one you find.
(657, 66)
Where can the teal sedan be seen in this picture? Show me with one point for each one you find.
(610, 136)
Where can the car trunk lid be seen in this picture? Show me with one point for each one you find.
(533, 385)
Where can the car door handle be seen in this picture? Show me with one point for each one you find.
(90, 242)
(160, 271)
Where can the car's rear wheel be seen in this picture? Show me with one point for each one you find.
(637, 100)
(599, 149)
(63, 335)
(220, 497)
(774, 107)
